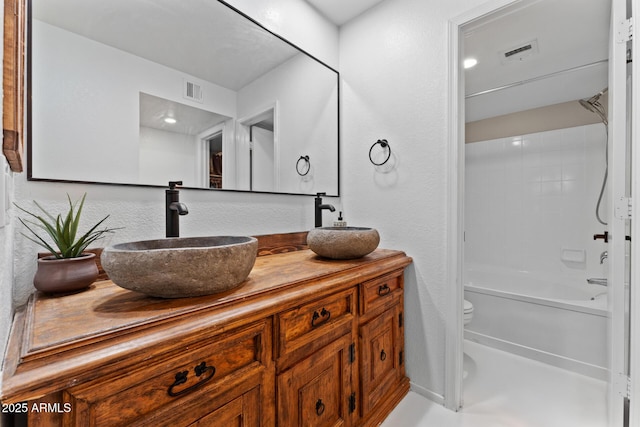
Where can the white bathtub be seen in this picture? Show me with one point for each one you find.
(560, 323)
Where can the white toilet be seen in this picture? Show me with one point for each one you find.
(468, 312)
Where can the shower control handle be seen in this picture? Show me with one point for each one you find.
(604, 236)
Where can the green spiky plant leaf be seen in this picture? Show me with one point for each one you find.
(62, 230)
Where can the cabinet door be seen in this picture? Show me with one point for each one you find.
(316, 392)
(381, 361)
(242, 411)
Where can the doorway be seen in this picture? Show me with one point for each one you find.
(489, 13)
(257, 156)
(214, 144)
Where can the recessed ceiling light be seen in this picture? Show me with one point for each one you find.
(470, 62)
(170, 120)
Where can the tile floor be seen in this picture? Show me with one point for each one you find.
(505, 390)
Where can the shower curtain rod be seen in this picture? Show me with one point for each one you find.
(535, 79)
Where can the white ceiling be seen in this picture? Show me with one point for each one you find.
(189, 120)
(183, 35)
(569, 34)
(341, 11)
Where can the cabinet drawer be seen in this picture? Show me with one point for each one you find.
(380, 291)
(311, 326)
(175, 378)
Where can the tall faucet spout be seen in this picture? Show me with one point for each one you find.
(173, 209)
(181, 208)
(319, 207)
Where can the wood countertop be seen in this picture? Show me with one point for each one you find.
(58, 342)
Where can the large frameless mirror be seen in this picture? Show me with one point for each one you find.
(143, 93)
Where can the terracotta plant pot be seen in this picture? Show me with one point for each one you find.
(65, 275)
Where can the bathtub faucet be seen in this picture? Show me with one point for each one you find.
(597, 281)
(604, 255)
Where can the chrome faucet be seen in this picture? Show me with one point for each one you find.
(174, 209)
(319, 207)
(604, 255)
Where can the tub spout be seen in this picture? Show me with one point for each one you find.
(597, 281)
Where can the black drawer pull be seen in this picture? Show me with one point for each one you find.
(181, 378)
(383, 356)
(384, 290)
(319, 407)
(320, 318)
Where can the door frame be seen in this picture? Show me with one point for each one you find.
(634, 407)
(616, 221)
(454, 338)
(204, 154)
(250, 119)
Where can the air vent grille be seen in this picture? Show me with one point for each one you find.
(192, 91)
(517, 51)
(520, 52)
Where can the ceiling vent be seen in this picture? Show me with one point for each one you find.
(521, 52)
(192, 91)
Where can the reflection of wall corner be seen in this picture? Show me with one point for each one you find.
(192, 91)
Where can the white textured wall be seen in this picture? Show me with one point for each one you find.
(307, 93)
(393, 63)
(6, 257)
(170, 156)
(79, 80)
(531, 197)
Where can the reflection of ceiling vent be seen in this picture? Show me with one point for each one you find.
(520, 53)
(192, 91)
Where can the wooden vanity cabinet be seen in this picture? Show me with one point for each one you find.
(304, 342)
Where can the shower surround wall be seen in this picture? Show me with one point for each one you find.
(530, 202)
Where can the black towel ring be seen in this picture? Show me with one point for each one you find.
(384, 144)
(306, 162)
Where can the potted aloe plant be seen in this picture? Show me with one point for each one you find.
(69, 268)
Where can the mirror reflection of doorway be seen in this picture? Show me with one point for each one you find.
(257, 159)
(215, 160)
(262, 157)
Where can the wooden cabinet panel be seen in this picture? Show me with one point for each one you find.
(240, 412)
(316, 391)
(378, 292)
(250, 402)
(202, 369)
(311, 326)
(382, 364)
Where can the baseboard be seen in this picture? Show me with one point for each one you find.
(593, 371)
(424, 392)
